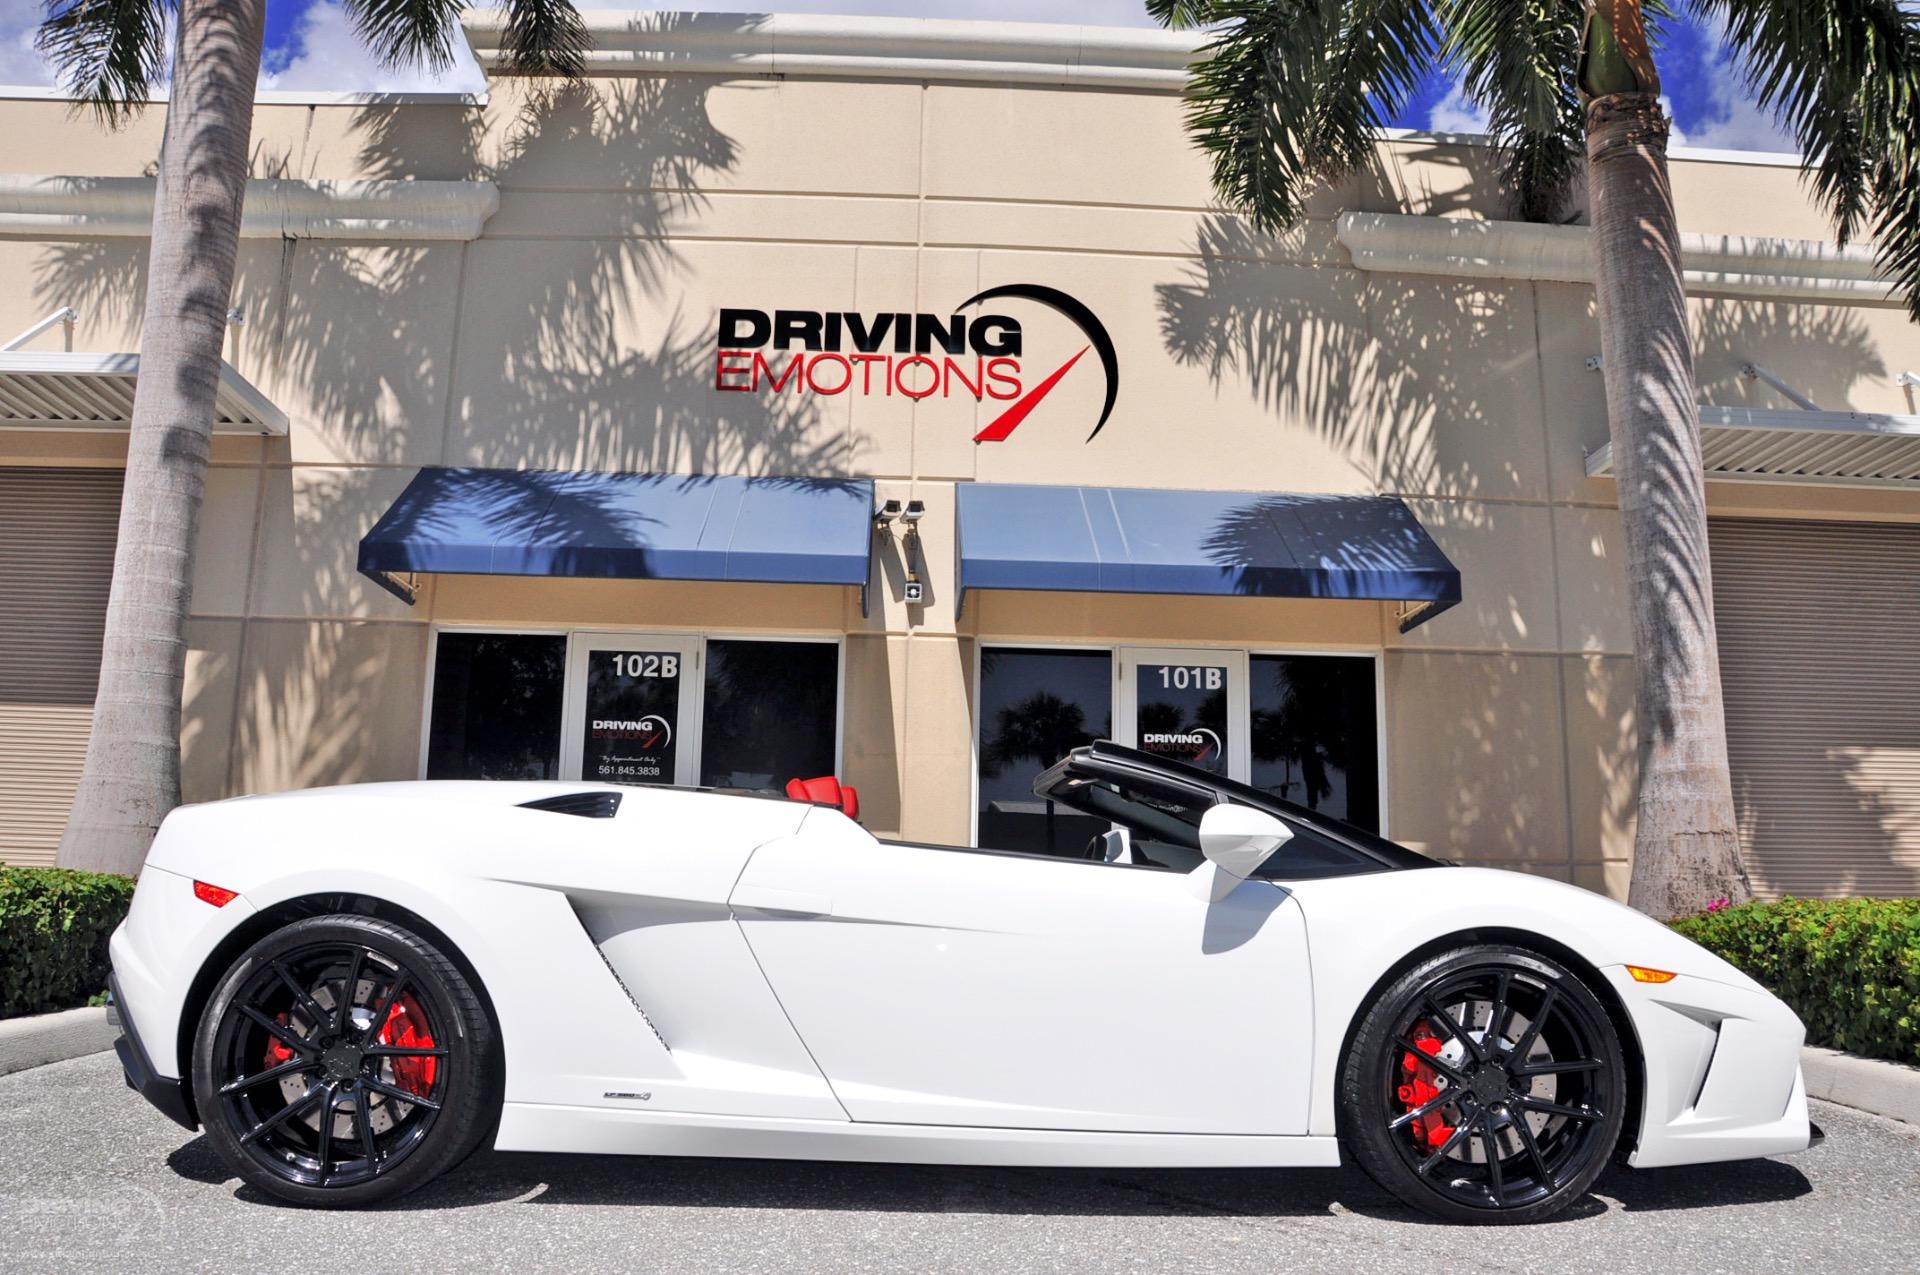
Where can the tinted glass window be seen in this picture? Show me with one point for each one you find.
(496, 706)
(1315, 737)
(1182, 713)
(1036, 706)
(633, 705)
(770, 713)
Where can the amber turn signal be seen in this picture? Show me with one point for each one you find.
(220, 896)
(1641, 974)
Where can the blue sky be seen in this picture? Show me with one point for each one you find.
(310, 46)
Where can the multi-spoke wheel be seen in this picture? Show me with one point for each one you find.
(1486, 1085)
(344, 1060)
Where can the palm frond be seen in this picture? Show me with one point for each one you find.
(408, 32)
(108, 53)
(1179, 14)
(1291, 93)
(1519, 59)
(1844, 77)
(545, 37)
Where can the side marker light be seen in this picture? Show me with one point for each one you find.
(220, 896)
(1641, 974)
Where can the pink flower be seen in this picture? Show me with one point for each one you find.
(1717, 904)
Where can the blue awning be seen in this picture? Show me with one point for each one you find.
(623, 526)
(1136, 540)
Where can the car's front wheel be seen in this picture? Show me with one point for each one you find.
(1485, 1085)
(344, 1060)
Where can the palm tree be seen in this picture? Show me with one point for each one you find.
(111, 54)
(1292, 93)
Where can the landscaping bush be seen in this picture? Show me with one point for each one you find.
(54, 926)
(1849, 967)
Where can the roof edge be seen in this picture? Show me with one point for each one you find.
(625, 42)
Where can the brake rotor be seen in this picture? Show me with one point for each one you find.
(406, 1025)
(1475, 1018)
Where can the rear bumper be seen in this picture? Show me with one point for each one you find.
(170, 1096)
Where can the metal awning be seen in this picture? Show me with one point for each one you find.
(623, 526)
(67, 391)
(1138, 540)
(1787, 445)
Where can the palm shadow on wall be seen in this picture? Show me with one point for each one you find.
(1430, 388)
(560, 367)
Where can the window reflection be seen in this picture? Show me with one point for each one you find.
(1035, 707)
(496, 706)
(1315, 735)
(769, 714)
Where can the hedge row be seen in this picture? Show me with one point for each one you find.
(1849, 967)
(54, 926)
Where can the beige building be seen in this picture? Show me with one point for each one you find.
(737, 252)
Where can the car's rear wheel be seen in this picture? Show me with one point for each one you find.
(344, 1060)
(1486, 1085)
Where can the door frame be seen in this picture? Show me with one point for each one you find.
(583, 643)
(1126, 708)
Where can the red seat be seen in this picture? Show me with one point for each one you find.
(825, 790)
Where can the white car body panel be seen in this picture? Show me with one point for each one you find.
(986, 989)
(711, 974)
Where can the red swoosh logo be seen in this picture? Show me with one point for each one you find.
(1010, 419)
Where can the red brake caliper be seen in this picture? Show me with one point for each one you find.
(277, 1051)
(1420, 1088)
(406, 1028)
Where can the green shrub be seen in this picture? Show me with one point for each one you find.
(54, 926)
(1849, 967)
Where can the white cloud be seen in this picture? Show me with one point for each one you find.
(20, 62)
(332, 56)
(1455, 114)
(1731, 119)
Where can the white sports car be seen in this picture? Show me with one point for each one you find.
(352, 989)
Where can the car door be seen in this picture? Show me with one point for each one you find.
(949, 986)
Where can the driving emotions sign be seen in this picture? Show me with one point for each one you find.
(973, 352)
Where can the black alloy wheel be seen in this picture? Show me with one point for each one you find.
(344, 1060)
(1486, 1085)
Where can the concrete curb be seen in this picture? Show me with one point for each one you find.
(1884, 1088)
(45, 1038)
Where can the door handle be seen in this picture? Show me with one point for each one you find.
(786, 902)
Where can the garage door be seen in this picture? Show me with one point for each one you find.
(1820, 656)
(57, 530)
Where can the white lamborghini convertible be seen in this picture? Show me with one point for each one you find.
(352, 989)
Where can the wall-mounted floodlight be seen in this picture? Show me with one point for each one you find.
(915, 592)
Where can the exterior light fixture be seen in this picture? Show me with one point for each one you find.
(914, 593)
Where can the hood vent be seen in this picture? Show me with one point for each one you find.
(588, 805)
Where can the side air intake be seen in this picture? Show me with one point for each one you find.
(588, 805)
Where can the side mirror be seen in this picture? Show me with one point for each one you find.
(1236, 841)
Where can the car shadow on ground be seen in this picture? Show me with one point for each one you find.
(493, 1177)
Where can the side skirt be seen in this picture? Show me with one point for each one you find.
(596, 1130)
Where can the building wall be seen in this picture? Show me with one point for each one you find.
(577, 332)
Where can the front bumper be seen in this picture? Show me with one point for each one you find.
(170, 1096)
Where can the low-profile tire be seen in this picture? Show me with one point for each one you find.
(405, 1083)
(1477, 1122)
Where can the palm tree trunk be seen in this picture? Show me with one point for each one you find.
(1686, 847)
(132, 774)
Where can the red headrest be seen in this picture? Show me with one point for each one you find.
(825, 790)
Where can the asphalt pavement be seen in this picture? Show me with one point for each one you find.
(91, 1178)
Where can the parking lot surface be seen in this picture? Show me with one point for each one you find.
(91, 1178)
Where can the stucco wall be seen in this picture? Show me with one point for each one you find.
(577, 332)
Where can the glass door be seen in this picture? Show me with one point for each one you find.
(632, 712)
(1186, 705)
